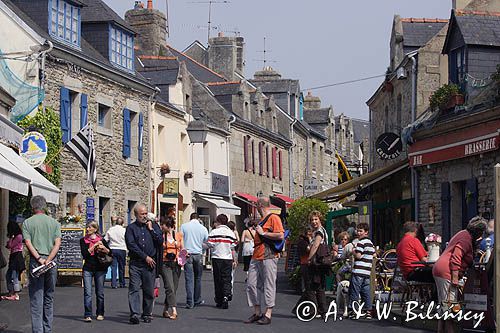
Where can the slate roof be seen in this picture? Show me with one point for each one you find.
(361, 129)
(317, 116)
(277, 86)
(98, 11)
(159, 70)
(313, 130)
(224, 88)
(479, 28)
(199, 71)
(417, 32)
(88, 52)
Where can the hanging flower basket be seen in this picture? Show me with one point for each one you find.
(188, 175)
(164, 169)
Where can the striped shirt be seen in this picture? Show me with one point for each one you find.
(221, 242)
(363, 265)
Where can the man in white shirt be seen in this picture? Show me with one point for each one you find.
(116, 240)
(222, 241)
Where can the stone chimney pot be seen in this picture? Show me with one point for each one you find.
(150, 4)
(220, 34)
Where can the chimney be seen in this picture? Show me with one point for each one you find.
(267, 74)
(460, 4)
(225, 56)
(312, 102)
(151, 27)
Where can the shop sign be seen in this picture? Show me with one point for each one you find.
(389, 146)
(277, 188)
(458, 150)
(170, 187)
(34, 148)
(310, 186)
(220, 184)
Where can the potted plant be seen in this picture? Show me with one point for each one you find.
(446, 97)
(164, 169)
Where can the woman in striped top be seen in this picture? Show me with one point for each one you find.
(360, 279)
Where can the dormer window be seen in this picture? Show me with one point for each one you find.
(121, 52)
(65, 22)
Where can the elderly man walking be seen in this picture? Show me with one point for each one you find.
(261, 283)
(144, 239)
(42, 236)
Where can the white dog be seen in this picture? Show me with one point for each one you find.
(342, 299)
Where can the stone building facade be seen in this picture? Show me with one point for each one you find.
(99, 89)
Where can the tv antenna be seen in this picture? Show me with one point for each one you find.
(210, 2)
(264, 52)
(166, 14)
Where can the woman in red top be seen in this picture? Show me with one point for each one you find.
(171, 270)
(452, 264)
(16, 261)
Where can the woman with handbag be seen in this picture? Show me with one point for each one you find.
(16, 261)
(452, 265)
(97, 255)
(318, 271)
(171, 270)
(247, 238)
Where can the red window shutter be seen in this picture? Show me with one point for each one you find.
(253, 157)
(267, 161)
(274, 161)
(245, 152)
(261, 158)
(280, 165)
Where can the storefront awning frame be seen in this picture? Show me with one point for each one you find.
(222, 206)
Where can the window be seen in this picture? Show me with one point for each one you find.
(65, 23)
(267, 161)
(132, 135)
(261, 158)
(280, 165)
(314, 155)
(274, 161)
(122, 48)
(249, 154)
(253, 157)
(73, 113)
(71, 203)
(456, 65)
(104, 116)
(104, 214)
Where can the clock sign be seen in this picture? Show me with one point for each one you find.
(389, 146)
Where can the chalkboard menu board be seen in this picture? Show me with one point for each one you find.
(292, 259)
(69, 257)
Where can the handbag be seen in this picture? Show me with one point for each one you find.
(455, 306)
(323, 257)
(104, 259)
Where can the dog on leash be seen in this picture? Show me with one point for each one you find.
(342, 299)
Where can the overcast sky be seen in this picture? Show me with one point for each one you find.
(316, 41)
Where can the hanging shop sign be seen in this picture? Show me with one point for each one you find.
(389, 146)
(34, 149)
(170, 187)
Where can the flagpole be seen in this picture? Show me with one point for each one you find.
(55, 155)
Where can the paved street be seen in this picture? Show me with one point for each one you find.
(207, 318)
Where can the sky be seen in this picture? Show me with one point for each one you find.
(319, 42)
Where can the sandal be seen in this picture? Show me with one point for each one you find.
(11, 298)
(173, 316)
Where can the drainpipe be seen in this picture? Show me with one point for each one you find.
(290, 161)
(414, 174)
(231, 120)
(43, 56)
(152, 157)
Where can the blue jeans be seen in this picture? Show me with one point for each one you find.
(118, 265)
(41, 291)
(360, 289)
(98, 278)
(141, 277)
(193, 269)
(13, 284)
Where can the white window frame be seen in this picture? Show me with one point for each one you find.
(121, 48)
(65, 22)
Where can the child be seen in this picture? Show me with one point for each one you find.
(360, 279)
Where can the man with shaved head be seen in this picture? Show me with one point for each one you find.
(144, 239)
(261, 282)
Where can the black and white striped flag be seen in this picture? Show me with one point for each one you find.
(82, 146)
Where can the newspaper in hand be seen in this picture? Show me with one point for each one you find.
(43, 268)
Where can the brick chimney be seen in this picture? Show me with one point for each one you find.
(267, 74)
(151, 27)
(225, 56)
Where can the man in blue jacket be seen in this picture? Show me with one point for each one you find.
(144, 239)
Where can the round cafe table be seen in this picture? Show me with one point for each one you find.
(425, 263)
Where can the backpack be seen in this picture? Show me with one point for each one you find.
(276, 246)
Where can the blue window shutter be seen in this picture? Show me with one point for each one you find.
(126, 133)
(65, 114)
(83, 111)
(141, 136)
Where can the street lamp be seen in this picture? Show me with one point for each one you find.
(197, 131)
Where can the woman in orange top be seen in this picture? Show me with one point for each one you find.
(171, 270)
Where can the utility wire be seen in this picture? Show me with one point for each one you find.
(344, 82)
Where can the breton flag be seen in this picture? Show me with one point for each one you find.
(82, 146)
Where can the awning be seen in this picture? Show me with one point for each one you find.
(362, 181)
(252, 200)
(17, 174)
(223, 207)
(289, 201)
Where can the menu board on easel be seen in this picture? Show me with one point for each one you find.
(292, 259)
(69, 257)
